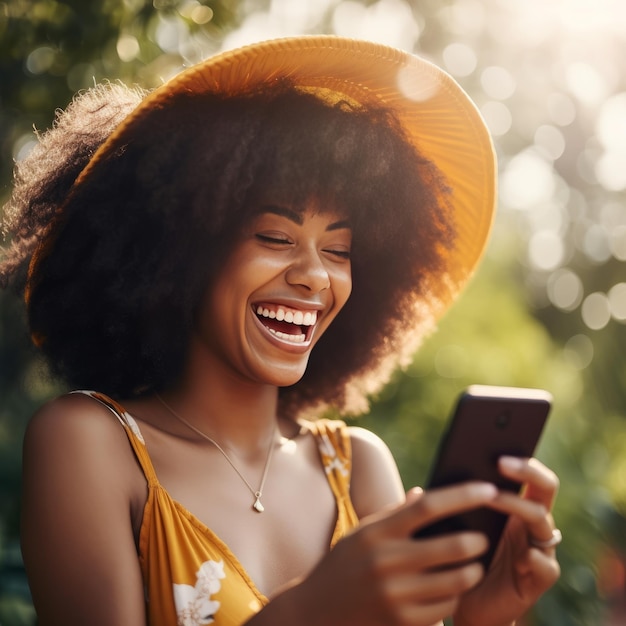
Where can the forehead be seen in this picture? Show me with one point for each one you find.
(334, 220)
(294, 205)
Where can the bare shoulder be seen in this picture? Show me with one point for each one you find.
(376, 482)
(367, 441)
(73, 415)
(80, 482)
(78, 437)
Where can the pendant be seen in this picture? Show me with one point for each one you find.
(257, 506)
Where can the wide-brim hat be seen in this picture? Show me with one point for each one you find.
(438, 117)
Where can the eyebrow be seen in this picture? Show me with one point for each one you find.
(297, 218)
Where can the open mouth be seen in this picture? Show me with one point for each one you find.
(291, 325)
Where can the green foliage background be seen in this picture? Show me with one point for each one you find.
(504, 330)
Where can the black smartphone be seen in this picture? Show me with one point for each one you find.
(488, 422)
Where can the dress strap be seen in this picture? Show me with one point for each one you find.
(335, 448)
(131, 428)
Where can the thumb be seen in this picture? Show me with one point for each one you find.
(413, 494)
(422, 508)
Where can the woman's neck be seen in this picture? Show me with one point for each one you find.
(236, 412)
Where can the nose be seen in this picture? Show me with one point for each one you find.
(309, 271)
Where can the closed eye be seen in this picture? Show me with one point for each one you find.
(342, 254)
(273, 239)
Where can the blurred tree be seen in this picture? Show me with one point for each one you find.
(51, 49)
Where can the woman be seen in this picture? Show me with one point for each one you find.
(268, 234)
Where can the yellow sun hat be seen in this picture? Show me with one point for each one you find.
(437, 116)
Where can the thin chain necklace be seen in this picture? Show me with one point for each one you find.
(257, 493)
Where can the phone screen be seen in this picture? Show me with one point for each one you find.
(488, 422)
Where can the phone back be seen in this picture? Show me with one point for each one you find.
(489, 422)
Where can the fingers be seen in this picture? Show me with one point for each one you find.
(426, 598)
(542, 565)
(533, 509)
(531, 529)
(542, 484)
(450, 549)
(443, 584)
(423, 508)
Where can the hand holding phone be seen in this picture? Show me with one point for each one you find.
(489, 422)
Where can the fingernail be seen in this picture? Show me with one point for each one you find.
(512, 463)
(487, 490)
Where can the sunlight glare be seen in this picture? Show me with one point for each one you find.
(617, 302)
(389, 22)
(465, 18)
(586, 83)
(460, 60)
(565, 289)
(497, 82)
(418, 91)
(618, 243)
(561, 109)
(611, 132)
(127, 48)
(550, 141)
(497, 117)
(545, 250)
(596, 311)
(596, 244)
(298, 16)
(527, 181)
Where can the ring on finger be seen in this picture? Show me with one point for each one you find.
(555, 540)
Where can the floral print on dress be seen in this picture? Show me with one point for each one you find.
(194, 605)
(134, 427)
(331, 459)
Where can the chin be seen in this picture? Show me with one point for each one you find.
(283, 380)
(282, 376)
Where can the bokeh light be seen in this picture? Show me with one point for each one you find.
(565, 289)
(596, 311)
(459, 59)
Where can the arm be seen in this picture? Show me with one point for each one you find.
(77, 536)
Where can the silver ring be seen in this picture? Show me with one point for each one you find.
(555, 540)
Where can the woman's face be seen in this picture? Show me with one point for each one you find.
(283, 284)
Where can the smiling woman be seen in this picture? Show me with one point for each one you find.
(270, 232)
(355, 159)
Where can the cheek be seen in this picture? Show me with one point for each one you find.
(342, 287)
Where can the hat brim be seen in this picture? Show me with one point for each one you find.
(437, 115)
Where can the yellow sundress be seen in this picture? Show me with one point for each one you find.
(190, 575)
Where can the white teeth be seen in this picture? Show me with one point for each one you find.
(299, 318)
(291, 338)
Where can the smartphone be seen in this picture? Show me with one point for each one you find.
(488, 422)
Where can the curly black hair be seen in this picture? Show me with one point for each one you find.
(126, 255)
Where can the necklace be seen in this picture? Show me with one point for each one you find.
(257, 493)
